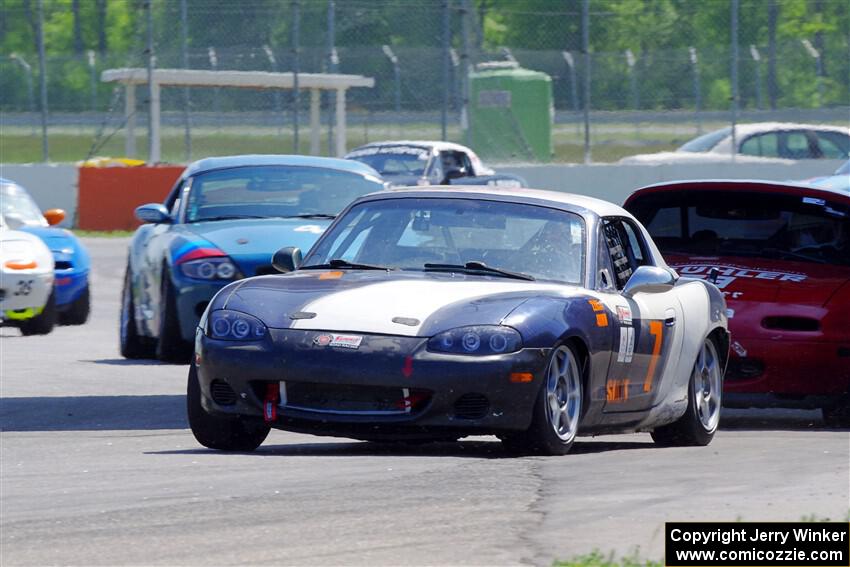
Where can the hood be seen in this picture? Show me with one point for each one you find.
(247, 238)
(57, 239)
(377, 302)
(745, 279)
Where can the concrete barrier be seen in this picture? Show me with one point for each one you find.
(109, 195)
(53, 186)
(614, 182)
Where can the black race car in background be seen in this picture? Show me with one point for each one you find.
(430, 163)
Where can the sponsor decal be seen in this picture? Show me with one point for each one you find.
(814, 201)
(624, 314)
(420, 153)
(728, 274)
(339, 341)
(627, 344)
(617, 391)
(330, 275)
(194, 250)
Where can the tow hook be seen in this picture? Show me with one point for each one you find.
(270, 403)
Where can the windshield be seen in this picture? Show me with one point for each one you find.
(16, 201)
(705, 142)
(844, 169)
(752, 224)
(409, 233)
(394, 160)
(274, 191)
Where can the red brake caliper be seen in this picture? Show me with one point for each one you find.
(270, 402)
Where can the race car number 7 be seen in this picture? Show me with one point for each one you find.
(657, 331)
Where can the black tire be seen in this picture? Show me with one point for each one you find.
(837, 415)
(221, 433)
(44, 322)
(78, 312)
(541, 438)
(170, 346)
(133, 345)
(692, 430)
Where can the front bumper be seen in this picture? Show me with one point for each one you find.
(193, 296)
(21, 291)
(70, 284)
(788, 368)
(445, 382)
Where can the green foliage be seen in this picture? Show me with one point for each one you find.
(598, 559)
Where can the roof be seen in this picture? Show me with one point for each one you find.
(225, 162)
(759, 127)
(567, 201)
(239, 79)
(758, 185)
(430, 144)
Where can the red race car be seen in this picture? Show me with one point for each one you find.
(781, 254)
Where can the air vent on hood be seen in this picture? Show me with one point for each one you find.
(789, 323)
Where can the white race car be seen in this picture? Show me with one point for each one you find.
(27, 300)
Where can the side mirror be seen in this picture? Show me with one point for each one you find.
(153, 213)
(54, 216)
(650, 279)
(287, 259)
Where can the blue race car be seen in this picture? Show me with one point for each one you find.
(838, 181)
(71, 259)
(222, 221)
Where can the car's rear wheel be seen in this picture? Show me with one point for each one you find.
(837, 414)
(78, 312)
(557, 410)
(133, 345)
(221, 433)
(44, 322)
(170, 346)
(698, 424)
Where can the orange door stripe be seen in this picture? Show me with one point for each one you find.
(657, 331)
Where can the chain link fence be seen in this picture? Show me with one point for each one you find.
(659, 72)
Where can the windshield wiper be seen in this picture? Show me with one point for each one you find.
(476, 266)
(310, 216)
(345, 264)
(789, 255)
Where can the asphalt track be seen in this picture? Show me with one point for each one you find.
(97, 467)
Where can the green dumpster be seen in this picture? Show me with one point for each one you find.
(510, 114)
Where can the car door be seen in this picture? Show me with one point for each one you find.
(648, 325)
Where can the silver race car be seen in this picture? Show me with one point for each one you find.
(435, 313)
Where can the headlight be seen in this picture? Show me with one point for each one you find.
(480, 340)
(209, 269)
(234, 326)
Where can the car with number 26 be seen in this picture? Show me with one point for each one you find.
(435, 313)
(221, 222)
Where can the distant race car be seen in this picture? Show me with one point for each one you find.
(430, 163)
(838, 181)
(27, 300)
(782, 252)
(221, 222)
(435, 313)
(71, 259)
(758, 142)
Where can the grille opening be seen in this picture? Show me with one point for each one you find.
(266, 270)
(471, 406)
(354, 399)
(744, 369)
(201, 307)
(222, 393)
(63, 265)
(786, 323)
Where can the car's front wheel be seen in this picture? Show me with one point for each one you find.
(698, 424)
(557, 410)
(44, 322)
(170, 346)
(78, 312)
(222, 433)
(133, 345)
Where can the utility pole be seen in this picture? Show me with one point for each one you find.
(42, 79)
(184, 48)
(296, 95)
(585, 46)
